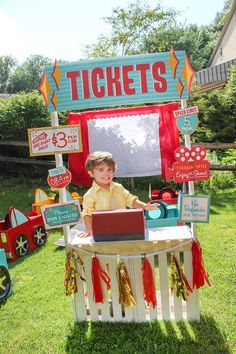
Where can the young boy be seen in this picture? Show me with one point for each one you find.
(104, 193)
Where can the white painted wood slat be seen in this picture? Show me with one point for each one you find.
(164, 286)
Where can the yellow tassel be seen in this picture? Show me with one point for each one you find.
(126, 297)
(71, 273)
(179, 283)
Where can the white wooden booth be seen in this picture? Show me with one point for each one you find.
(156, 247)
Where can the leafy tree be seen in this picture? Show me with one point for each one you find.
(7, 65)
(217, 121)
(27, 76)
(129, 28)
(20, 112)
(195, 40)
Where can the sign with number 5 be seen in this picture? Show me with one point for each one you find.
(187, 120)
(63, 139)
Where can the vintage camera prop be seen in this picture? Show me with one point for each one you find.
(165, 215)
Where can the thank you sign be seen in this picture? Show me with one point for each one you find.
(194, 208)
(58, 215)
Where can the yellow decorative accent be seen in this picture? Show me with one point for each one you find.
(45, 88)
(187, 73)
(54, 100)
(180, 88)
(173, 62)
(56, 75)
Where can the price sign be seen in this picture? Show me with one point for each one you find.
(59, 177)
(55, 140)
(187, 119)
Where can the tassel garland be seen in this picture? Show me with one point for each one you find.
(97, 274)
(199, 273)
(179, 282)
(126, 297)
(71, 273)
(148, 283)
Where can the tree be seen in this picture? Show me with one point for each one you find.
(130, 27)
(20, 112)
(7, 65)
(193, 39)
(27, 76)
(217, 121)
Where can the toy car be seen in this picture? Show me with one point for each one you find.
(5, 280)
(21, 234)
(42, 198)
(167, 195)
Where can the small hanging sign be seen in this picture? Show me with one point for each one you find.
(59, 177)
(194, 208)
(58, 215)
(187, 120)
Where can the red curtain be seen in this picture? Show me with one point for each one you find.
(168, 136)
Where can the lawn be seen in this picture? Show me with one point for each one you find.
(38, 317)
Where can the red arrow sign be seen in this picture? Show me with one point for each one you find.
(59, 181)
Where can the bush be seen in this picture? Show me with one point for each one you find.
(20, 112)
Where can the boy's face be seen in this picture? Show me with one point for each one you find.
(102, 174)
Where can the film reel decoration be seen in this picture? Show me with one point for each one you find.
(190, 165)
(196, 153)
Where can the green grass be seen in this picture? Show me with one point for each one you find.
(38, 317)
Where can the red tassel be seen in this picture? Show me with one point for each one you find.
(199, 273)
(97, 274)
(148, 283)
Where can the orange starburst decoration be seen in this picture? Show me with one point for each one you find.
(180, 88)
(54, 100)
(56, 75)
(187, 73)
(173, 62)
(45, 88)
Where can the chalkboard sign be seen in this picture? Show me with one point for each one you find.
(58, 215)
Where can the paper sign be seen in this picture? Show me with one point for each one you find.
(190, 165)
(194, 208)
(55, 140)
(57, 215)
(59, 177)
(187, 120)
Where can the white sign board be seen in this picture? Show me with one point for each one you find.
(194, 208)
(55, 140)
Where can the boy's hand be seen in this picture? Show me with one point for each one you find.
(150, 206)
(84, 234)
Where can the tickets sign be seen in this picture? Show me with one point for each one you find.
(59, 177)
(58, 215)
(123, 80)
(187, 119)
(194, 208)
(55, 140)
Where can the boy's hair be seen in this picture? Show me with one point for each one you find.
(98, 157)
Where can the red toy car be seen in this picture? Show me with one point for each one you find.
(21, 234)
(167, 195)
